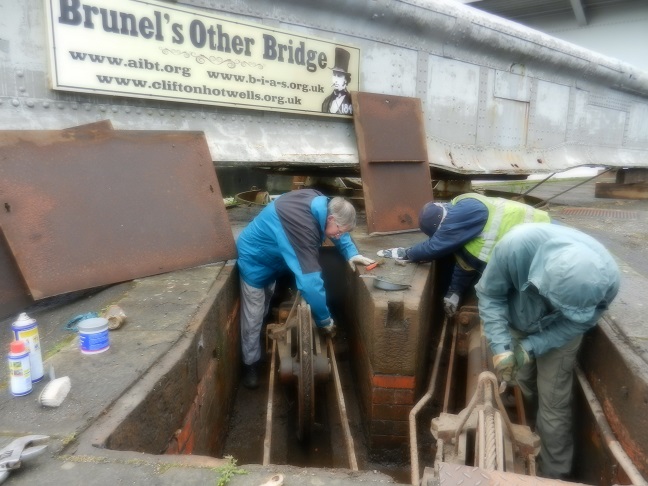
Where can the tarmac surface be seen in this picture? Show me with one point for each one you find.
(159, 309)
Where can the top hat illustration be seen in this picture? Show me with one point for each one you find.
(342, 57)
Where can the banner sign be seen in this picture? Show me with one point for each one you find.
(148, 49)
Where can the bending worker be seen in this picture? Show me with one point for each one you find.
(286, 236)
(544, 286)
(468, 227)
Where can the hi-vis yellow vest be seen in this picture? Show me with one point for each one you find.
(502, 216)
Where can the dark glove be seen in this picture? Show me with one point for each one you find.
(328, 329)
(396, 253)
(505, 366)
(450, 304)
(522, 355)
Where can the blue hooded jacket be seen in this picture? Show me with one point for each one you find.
(551, 283)
(286, 236)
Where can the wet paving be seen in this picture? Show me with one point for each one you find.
(620, 224)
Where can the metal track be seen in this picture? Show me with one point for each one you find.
(305, 379)
(307, 364)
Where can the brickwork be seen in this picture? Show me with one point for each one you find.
(204, 425)
(390, 354)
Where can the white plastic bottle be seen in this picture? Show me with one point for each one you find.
(19, 369)
(26, 329)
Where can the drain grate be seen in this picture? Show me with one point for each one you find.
(601, 213)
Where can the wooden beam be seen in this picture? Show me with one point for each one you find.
(613, 190)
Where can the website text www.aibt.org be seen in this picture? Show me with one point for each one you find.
(248, 93)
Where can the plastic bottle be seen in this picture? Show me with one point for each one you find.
(19, 369)
(26, 329)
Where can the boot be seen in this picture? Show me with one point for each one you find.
(251, 376)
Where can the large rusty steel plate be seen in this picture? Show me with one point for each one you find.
(393, 160)
(14, 296)
(86, 208)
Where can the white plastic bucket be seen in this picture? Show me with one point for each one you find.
(93, 335)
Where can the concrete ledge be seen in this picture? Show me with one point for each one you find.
(178, 331)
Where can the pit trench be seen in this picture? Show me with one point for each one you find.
(194, 403)
(238, 428)
(326, 448)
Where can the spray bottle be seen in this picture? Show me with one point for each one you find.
(26, 329)
(19, 369)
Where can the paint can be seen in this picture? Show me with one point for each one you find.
(93, 335)
(19, 369)
(26, 329)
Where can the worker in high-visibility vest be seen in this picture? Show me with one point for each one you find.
(468, 227)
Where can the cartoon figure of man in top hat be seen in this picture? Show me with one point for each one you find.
(339, 101)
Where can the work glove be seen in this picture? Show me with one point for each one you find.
(522, 355)
(505, 366)
(450, 304)
(362, 260)
(395, 253)
(328, 328)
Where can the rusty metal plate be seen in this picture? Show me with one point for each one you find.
(454, 474)
(85, 208)
(601, 213)
(14, 296)
(390, 130)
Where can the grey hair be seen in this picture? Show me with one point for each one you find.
(343, 212)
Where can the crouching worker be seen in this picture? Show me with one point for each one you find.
(544, 286)
(468, 227)
(286, 236)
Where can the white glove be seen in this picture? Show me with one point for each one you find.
(450, 304)
(362, 260)
(396, 253)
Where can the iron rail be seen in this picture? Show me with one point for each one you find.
(353, 463)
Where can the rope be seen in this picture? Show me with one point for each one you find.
(491, 447)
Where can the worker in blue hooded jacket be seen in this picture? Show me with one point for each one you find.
(544, 286)
(286, 237)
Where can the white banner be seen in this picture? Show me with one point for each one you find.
(146, 49)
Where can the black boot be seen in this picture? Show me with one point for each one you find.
(251, 376)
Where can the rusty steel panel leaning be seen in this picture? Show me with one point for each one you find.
(14, 296)
(82, 209)
(393, 160)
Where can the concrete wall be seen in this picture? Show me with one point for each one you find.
(188, 407)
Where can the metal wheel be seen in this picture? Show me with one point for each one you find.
(306, 382)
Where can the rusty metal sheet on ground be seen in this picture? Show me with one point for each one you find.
(83, 209)
(14, 296)
(454, 474)
(393, 160)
